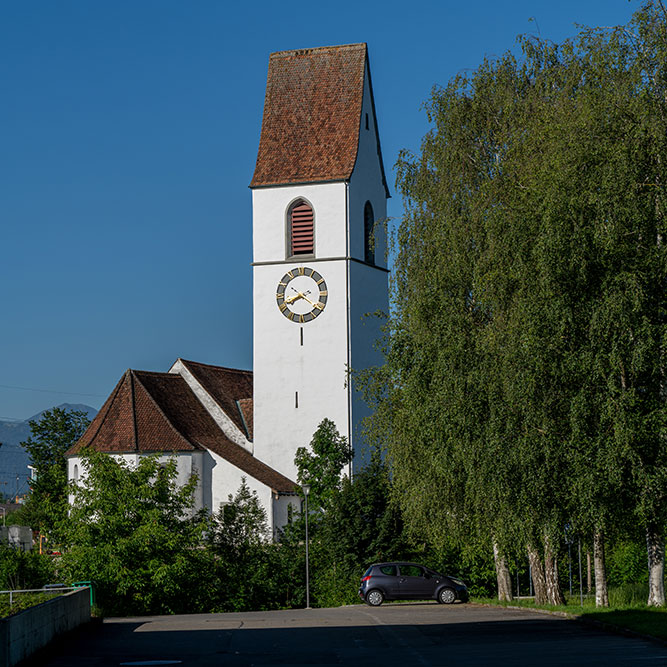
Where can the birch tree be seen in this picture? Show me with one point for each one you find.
(524, 386)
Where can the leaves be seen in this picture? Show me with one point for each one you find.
(133, 531)
(523, 384)
(52, 435)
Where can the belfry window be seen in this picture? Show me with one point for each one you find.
(301, 236)
(369, 221)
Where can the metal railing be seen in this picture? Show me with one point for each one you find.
(54, 589)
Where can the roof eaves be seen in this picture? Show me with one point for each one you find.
(283, 184)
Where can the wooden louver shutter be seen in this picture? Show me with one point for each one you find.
(302, 229)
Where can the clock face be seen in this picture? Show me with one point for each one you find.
(301, 294)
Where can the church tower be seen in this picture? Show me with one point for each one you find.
(319, 262)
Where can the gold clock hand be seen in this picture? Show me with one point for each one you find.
(291, 299)
(305, 298)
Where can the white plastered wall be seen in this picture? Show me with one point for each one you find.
(317, 369)
(284, 367)
(226, 480)
(368, 284)
(221, 418)
(217, 480)
(187, 463)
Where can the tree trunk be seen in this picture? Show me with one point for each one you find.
(601, 593)
(554, 594)
(502, 575)
(656, 567)
(537, 572)
(589, 586)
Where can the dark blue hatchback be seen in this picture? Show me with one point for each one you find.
(409, 581)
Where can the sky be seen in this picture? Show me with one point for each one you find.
(128, 137)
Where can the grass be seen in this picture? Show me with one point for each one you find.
(22, 601)
(627, 610)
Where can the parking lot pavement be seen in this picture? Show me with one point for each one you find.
(393, 634)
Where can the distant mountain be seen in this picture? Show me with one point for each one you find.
(14, 459)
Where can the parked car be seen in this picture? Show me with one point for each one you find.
(409, 581)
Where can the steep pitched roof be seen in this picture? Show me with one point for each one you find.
(158, 412)
(226, 386)
(312, 115)
(131, 421)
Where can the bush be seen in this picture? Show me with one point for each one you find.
(20, 570)
(626, 564)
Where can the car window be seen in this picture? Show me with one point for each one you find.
(389, 570)
(412, 571)
(368, 571)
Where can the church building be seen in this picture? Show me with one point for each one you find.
(319, 279)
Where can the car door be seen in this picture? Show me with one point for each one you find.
(388, 580)
(414, 582)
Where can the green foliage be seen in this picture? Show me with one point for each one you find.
(131, 530)
(22, 601)
(240, 523)
(359, 525)
(22, 570)
(522, 389)
(55, 432)
(626, 564)
(321, 466)
(252, 572)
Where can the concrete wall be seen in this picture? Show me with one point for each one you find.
(23, 634)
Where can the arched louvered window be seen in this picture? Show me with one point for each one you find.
(301, 236)
(369, 221)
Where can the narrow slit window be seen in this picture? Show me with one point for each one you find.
(301, 234)
(296, 399)
(369, 222)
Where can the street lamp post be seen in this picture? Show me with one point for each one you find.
(306, 491)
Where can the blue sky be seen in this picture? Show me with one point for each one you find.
(129, 136)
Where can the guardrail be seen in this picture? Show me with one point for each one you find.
(55, 589)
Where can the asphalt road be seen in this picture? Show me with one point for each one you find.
(393, 634)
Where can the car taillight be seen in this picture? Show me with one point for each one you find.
(365, 578)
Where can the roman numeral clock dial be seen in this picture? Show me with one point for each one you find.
(302, 294)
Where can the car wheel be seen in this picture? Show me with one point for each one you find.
(446, 596)
(374, 598)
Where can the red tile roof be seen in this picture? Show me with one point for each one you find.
(312, 115)
(158, 412)
(246, 407)
(226, 386)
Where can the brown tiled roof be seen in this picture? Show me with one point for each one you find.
(312, 115)
(158, 412)
(246, 408)
(131, 421)
(226, 386)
